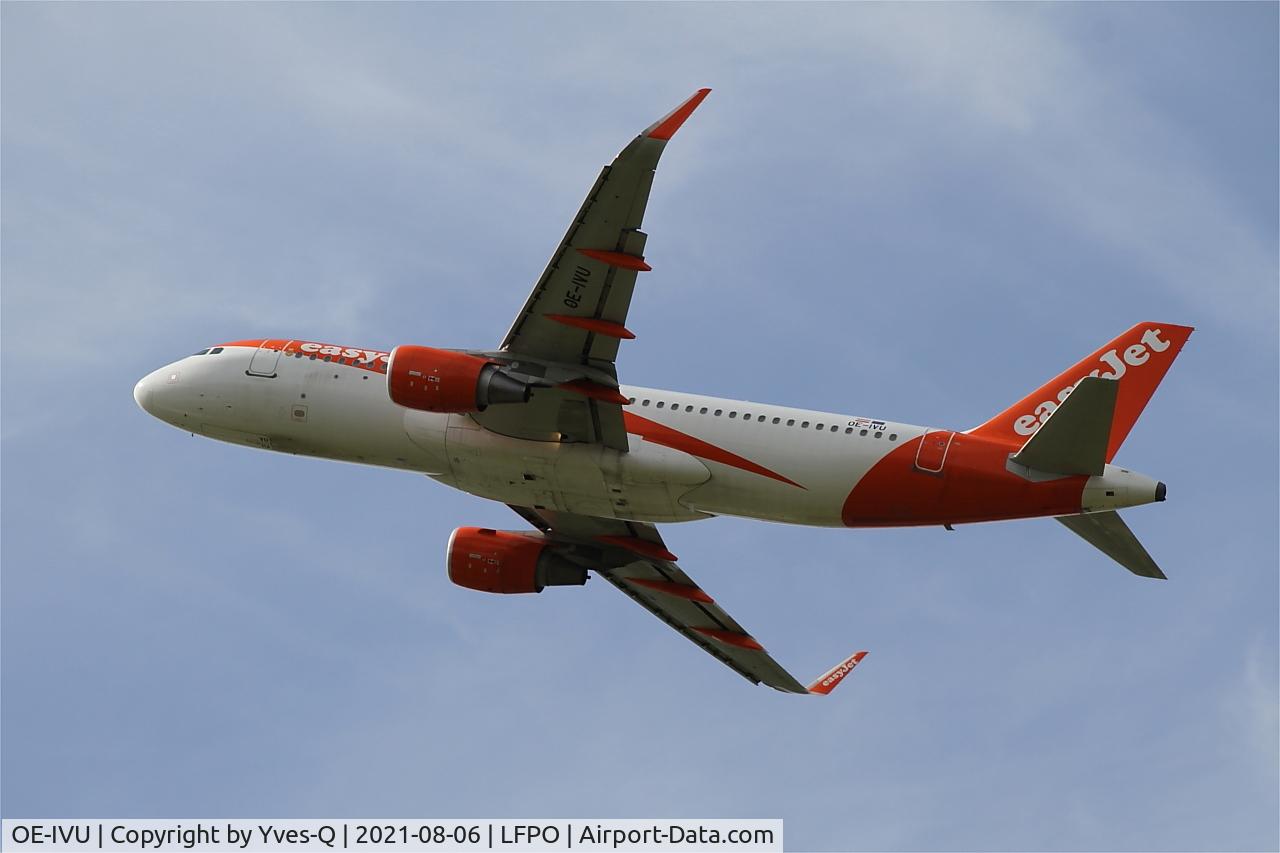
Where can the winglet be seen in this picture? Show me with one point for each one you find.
(666, 127)
(836, 674)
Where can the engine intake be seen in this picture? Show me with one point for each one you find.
(437, 380)
(508, 562)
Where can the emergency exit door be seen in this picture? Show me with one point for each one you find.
(931, 455)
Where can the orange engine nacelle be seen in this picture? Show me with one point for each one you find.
(503, 561)
(437, 380)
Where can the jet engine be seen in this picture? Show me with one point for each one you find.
(437, 380)
(505, 561)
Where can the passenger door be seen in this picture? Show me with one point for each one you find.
(265, 359)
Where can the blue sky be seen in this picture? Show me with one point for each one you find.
(907, 211)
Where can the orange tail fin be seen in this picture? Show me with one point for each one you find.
(1138, 360)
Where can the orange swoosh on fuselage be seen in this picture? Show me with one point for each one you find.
(676, 440)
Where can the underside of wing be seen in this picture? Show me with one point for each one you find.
(669, 594)
(560, 414)
(569, 329)
(632, 557)
(577, 311)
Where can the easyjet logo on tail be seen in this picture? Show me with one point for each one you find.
(1116, 364)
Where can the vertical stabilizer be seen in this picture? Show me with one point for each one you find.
(1136, 360)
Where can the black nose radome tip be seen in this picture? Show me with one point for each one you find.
(1160, 490)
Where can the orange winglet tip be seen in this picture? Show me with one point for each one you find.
(617, 259)
(679, 590)
(643, 547)
(667, 126)
(829, 679)
(595, 391)
(731, 638)
(592, 324)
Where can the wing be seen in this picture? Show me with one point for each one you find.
(577, 311)
(633, 558)
(570, 326)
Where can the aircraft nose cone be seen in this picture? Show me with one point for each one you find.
(142, 396)
(1160, 490)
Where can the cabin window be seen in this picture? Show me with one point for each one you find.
(893, 436)
(878, 434)
(718, 411)
(661, 404)
(791, 422)
(804, 425)
(848, 430)
(645, 403)
(776, 420)
(688, 408)
(631, 399)
(862, 432)
(820, 426)
(760, 418)
(733, 414)
(702, 411)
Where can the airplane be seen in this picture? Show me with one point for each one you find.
(542, 424)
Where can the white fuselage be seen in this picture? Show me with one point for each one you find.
(690, 456)
(338, 411)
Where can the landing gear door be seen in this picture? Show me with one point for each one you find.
(265, 359)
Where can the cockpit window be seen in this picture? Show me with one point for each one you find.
(202, 352)
(215, 350)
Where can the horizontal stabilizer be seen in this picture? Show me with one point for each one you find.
(1107, 532)
(1074, 438)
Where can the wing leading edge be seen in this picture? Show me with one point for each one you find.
(634, 559)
